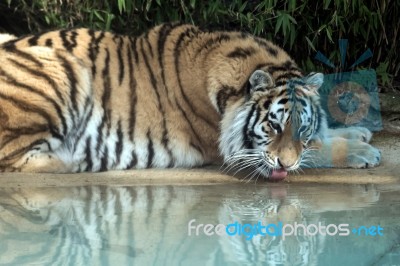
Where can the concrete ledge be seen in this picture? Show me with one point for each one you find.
(388, 172)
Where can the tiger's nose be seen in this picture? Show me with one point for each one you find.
(285, 163)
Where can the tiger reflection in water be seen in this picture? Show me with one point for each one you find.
(149, 225)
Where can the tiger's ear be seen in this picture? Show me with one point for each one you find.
(260, 80)
(314, 82)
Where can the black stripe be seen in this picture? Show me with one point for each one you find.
(287, 76)
(146, 38)
(49, 43)
(247, 142)
(108, 122)
(242, 53)
(213, 43)
(165, 143)
(162, 38)
(69, 70)
(33, 41)
(271, 50)
(280, 83)
(283, 101)
(119, 144)
(120, 61)
(71, 113)
(88, 152)
(318, 121)
(132, 96)
(150, 150)
(133, 46)
(133, 161)
(23, 150)
(286, 66)
(254, 135)
(104, 99)
(22, 130)
(94, 48)
(223, 96)
(104, 160)
(282, 92)
(302, 101)
(69, 45)
(83, 125)
(152, 77)
(14, 133)
(258, 114)
(267, 104)
(261, 66)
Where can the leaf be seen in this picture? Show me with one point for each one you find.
(329, 33)
(285, 25)
(278, 22)
(121, 6)
(321, 28)
(292, 35)
(47, 19)
(291, 19)
(148, 5)
(110, 18)
(192, 3)
(292, 5)
(97, 14)
(310, 43)
(326, 4)
(243, 7)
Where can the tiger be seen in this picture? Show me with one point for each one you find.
(177, 96)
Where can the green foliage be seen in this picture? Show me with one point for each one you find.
(301, 27)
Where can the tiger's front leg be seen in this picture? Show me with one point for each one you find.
(341, 152)
(355, 133)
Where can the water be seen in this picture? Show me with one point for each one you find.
(99, 225)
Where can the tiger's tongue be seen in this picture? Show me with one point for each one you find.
(278, 174)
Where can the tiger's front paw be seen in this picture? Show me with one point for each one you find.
(360, 133)
(363, 155)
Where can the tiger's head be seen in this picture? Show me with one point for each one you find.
(270, 132)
